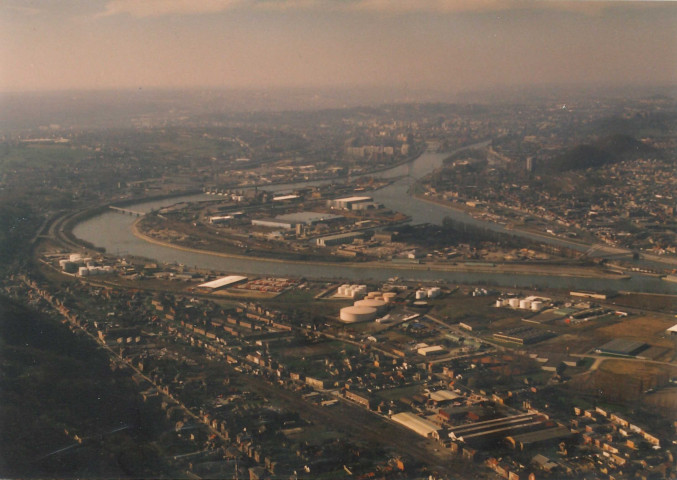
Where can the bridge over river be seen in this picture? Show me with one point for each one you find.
(127, 211)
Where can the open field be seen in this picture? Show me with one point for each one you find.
(655, 302)
(646, 328)
(664, 400)
(623, 380)
(636, 369)
(316, 350)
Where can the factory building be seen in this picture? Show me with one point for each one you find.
(286, 198)
(291, 220)
(220, 220)
(490, 431)
(339, 239)
(431, 351)
(222, 282)
(549, 435)
(622, 347)
(347, 203)
(419, 425)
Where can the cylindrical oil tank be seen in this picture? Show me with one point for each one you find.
(389, 296)
(357, 314)
(499, 303)
(379, 305)
(525, 304)
(536, 305)
(421, 294)
(514, 302)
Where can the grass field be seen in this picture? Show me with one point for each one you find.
(664, 400)
(636, 369)
(649, 329)
(316, 350)
(623, 380)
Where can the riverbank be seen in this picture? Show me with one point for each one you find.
(514, 269)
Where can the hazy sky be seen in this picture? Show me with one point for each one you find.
(419, 44)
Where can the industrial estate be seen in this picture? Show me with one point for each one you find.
(408, 291)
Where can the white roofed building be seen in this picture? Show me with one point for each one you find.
(423, 427)
(222, 282)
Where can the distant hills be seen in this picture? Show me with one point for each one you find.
(606, 150)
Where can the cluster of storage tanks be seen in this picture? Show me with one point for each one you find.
(94, 270)
(432, 292)
(366, 310)
(532, 304)
(352, 291)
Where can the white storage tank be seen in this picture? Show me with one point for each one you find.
(357, 314)
(514, 302)
(536, 305)
(421, 294)
(379, 305)
(499, 303)
(389, 296)
(525, 304)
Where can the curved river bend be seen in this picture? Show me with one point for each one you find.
(113, 232)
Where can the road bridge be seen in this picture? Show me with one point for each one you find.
(126, 211)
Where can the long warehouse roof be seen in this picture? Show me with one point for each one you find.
(223, 281)
(414, 422)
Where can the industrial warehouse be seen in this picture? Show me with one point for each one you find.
(291, 220)
(223, 282)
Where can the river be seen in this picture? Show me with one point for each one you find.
(113, 232)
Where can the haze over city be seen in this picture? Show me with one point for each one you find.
(338, 239)
(439, 45)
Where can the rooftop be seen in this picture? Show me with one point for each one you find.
(308, 217)
(622, 346)
(223, 282)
